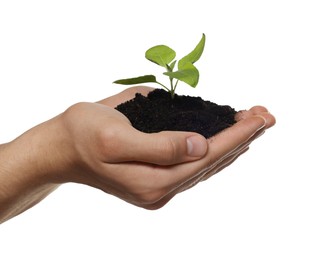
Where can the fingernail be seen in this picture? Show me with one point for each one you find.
(196, 146)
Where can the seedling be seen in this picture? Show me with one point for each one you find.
(164, 56)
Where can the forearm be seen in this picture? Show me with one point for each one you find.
(28, 167)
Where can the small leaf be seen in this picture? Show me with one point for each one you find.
(172, 65)
(160, 54)
(188, 74)
(194, 55)
(137, 80)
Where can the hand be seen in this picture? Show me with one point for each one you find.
(93, 144)
(149, 169)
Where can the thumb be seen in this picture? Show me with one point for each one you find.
(163, 148)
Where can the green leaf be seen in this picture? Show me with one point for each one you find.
(194, 55)
(137, 80)
(188, 74)
(160, 54)
(172, 65)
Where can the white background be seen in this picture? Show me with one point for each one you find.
(272, 203)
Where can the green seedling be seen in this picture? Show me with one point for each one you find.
(164, 56)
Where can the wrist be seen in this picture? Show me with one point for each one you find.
(30, 167)
(46, 152)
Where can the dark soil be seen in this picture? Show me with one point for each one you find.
(159, 112)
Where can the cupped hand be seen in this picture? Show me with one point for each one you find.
(147, 170)
(94, 144)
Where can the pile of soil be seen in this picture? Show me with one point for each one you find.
(159, 112)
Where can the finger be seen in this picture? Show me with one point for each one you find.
(270, 119)
(163, 148)
(215, 168)
(165, 197)
(220, 166)
(222, 162)
(243, 145)
(256, 110)
(219, 148)
(156, 185)
(159, 201)
(190, 184)
(233, 137)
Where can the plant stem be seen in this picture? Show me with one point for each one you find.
(175, 86)
(172, 89)
(164, 86)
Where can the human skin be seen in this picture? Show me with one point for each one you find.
(94, 144)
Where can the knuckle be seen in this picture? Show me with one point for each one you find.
(108, 143)
(170, 150)
(74, 110)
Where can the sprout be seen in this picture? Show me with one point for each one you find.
(164, 56)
